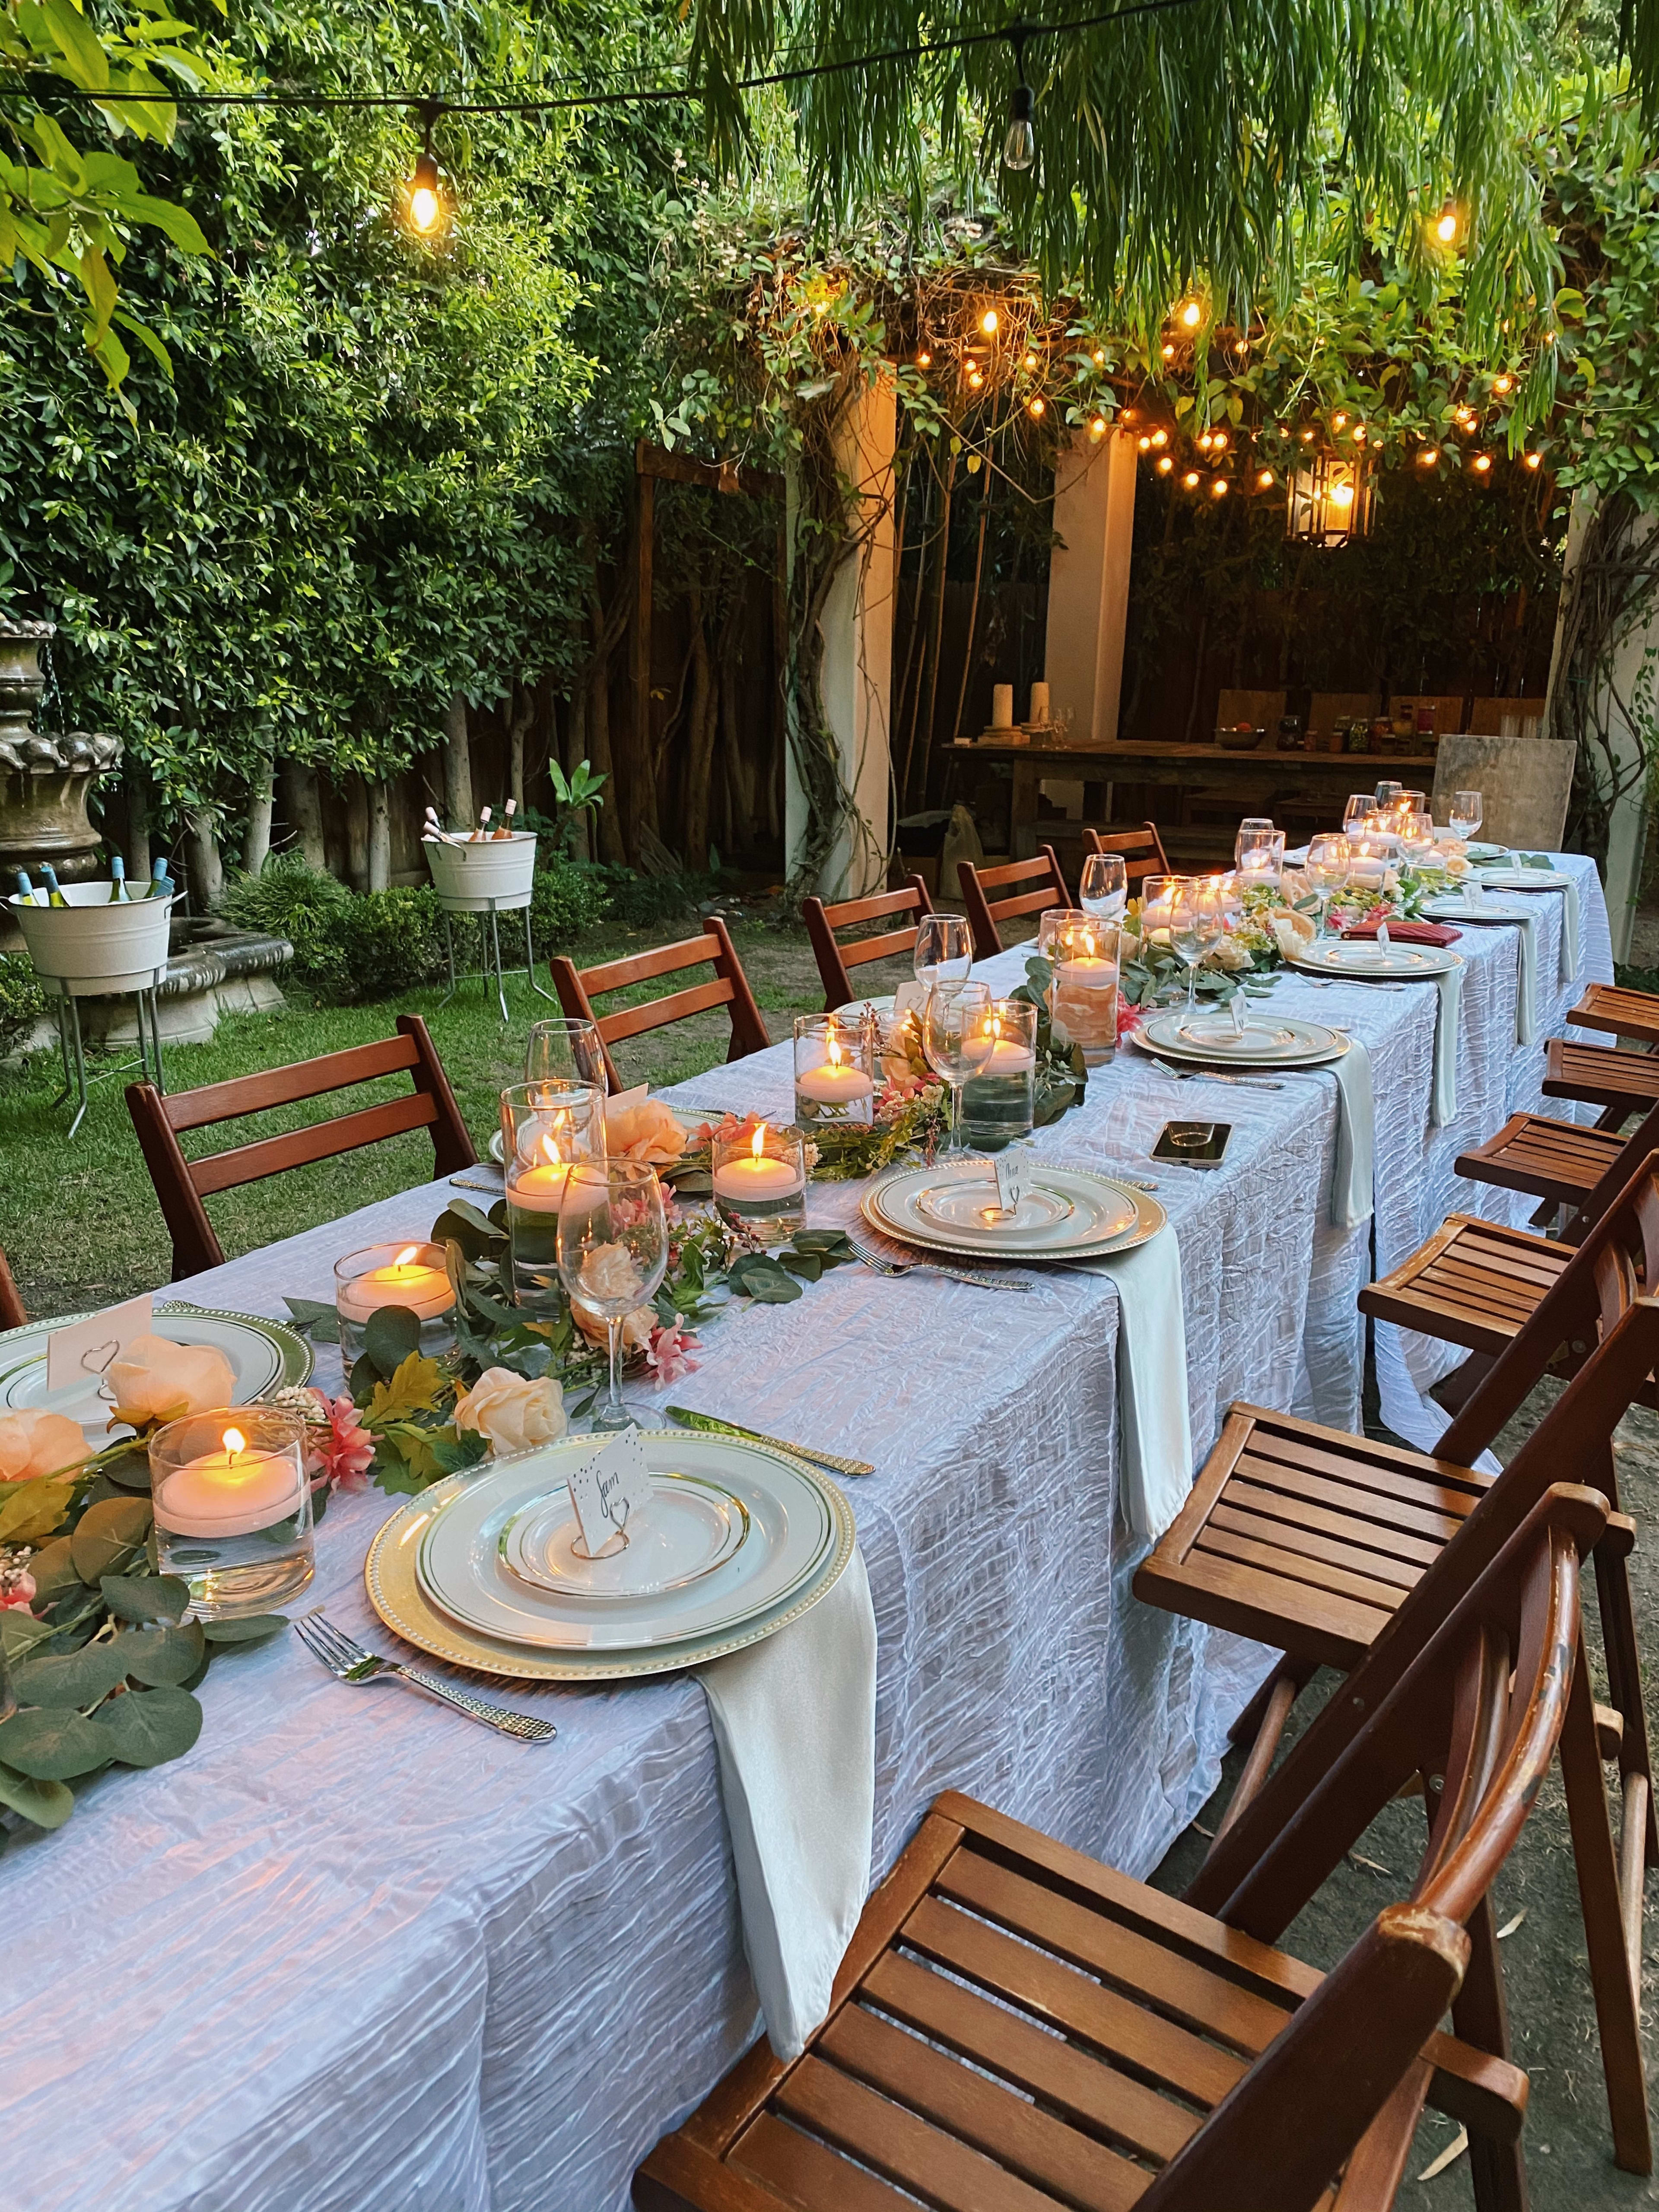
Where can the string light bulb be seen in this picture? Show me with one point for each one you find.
(424, 198)
(1533, 460)
(1428, 456)
(1019, 141)
(1219, 488)
(1307, 437)
(1341, 421)
(1264, 479)
(1503, 384)
(974, 380)
(1164, 465)
(1482, 463)
(1145, 443)
(924, 360)
(1445, 223)
(1160, 437)
(1205, 441)
(1168, 349)
(1035, 405)
(1100, 357)
(1097, 428)
(1192, 315)
(990, 322)
(1219, 440)
(1190, 480)
(1030, 362)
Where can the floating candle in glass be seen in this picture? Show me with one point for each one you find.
(1082, 994)
(835, 1069)
(232, 1508)
(546, 1127)
(415, 1277)
(997, 1104)
(760, 1182)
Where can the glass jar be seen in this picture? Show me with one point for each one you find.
(232, 1508)
(834, 1070)
(1083, 992)
(760, 1182)
(998, 1102)
(414, 1276)
(546, 1127)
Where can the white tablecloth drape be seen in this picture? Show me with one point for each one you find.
(355, 1954)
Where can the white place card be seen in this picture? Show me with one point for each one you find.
(1011, 1181)
(87, 1347)
(609, 1489)
(911, 997)
(620, 1101)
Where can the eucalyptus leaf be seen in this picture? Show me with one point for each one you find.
(79, 1678)
(390, 1334)
(53, 1570)
(160, 1655)
(107, 1534)
(148, 1727)
(320, 1322)
(248, 1628)
(30, 1511)
(809, 1266)
(463, 1225)
(52, 1744)
(129, 1470)
(48, 1804)
(145, 1597)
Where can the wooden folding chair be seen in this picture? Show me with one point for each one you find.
(1620, 1012)
(1015, 2027)
(834, 960)
(577, 988)
(1141, 851)
(182, 1184)
(1562, 1163)
(12, 1315)
(983, 914)
(1318, 1542)
(1621, 1083)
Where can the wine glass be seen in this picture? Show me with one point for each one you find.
(612, 1254)
(1386, 795)
(1195, 926)
(1465, 816)
(957, 1038)
(564, 1052)
(1104, 890)
(1327, 871)
(943, 949)
(1417, 838)
(1360, 804)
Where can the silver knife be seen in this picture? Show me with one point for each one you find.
(688, 1419)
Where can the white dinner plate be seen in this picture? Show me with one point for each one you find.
(693, 1526)
(1524, 879)
(1104, 1216)
(1309, 1043)
(263, 1356)
(971, 1202)
(1456, 907)
(1362, 960)
(791, 1525)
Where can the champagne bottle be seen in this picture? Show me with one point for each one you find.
(54, 896)
(159, 885)
(118, 893)
(26, 890)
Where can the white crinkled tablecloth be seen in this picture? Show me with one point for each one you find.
(355, 1954)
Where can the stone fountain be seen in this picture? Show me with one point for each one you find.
(44, 781)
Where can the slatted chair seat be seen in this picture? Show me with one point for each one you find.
(1620, 1012)
(1473, 1283)
(182, 1184)
(1015, 2027)
(1559, 1162)
(1314, 1542)
(836, 959)
(1621, 1083)
(1046, 882)
(579, 987)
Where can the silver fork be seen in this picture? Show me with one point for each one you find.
(881, 1265)
(348, 1662)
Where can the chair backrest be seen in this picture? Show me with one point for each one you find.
(1643, 1139)
(1046, 884)
(11, 1306)
(1141, 849)
(835, 959)
(182, 1184)
(1481, 1704)
(579, 987)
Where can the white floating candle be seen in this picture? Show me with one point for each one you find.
(233, 1492)
(538, 1187)
(408, 1281)
(753, 1178)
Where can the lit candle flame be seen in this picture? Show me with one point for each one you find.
(406, 1258)
(835, 1052)
(235, 1441)
(550, 1151)
(758, 1146)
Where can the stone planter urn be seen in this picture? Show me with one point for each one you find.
(44, 781)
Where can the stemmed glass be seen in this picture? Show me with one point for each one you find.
(943, 950)
(1326, 869)
(957, 1038)
(1104, 889)
(1465, 816)
(1386, 795)
(1195, 926)
(564, 1052)
(612, 1254)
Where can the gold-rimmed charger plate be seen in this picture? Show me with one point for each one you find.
(1323, 1044)
(395, 1592)
(1149, 1218)
(1404, 962)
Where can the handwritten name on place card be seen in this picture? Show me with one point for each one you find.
(610, 1489)
(86, 1348)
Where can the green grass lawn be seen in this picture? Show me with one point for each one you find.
(80, 1223)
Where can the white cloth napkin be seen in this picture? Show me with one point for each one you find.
(1570, 931)
(795, 1726)
(1450, 987)
(1526, 996)
(1356, 1137)
(1153, 1422)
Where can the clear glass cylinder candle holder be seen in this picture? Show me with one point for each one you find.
(545, 1127)
(1082, 951)
(834, 1070)
(760, 1182)
(414, 1276)
(998, 1102)
(232, 1508)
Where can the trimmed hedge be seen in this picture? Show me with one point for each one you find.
(22, 1001)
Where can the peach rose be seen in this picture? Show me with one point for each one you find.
(36, 1444)
(512, 1414)
(156, 1380)
(644, 1130)
(636, 1329)
(1293, 933)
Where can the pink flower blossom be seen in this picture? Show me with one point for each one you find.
(1129, 1017)
(344, 1458)
(667, 1352)
(16, 1589)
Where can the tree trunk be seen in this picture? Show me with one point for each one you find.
(256, 843)
(137, 853)
(700, 748)
(916, 772)
(379, 836)
(457, 768)
(356, 826)
(204, 868)
(302, 803)
(521, 713)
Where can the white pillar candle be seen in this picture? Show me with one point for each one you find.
(408, 1281)
(233, 1492)
(1039, 702)
(1002, 706)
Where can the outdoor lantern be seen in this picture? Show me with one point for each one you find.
(1330, 501)
(424, 201)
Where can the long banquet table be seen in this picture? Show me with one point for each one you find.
(355, 1954)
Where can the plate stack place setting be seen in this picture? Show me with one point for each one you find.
(1011, 1207)
(599, 1557)
(1258, 1042)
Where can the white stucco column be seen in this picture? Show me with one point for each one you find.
(1088, 582)
(857, 628)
